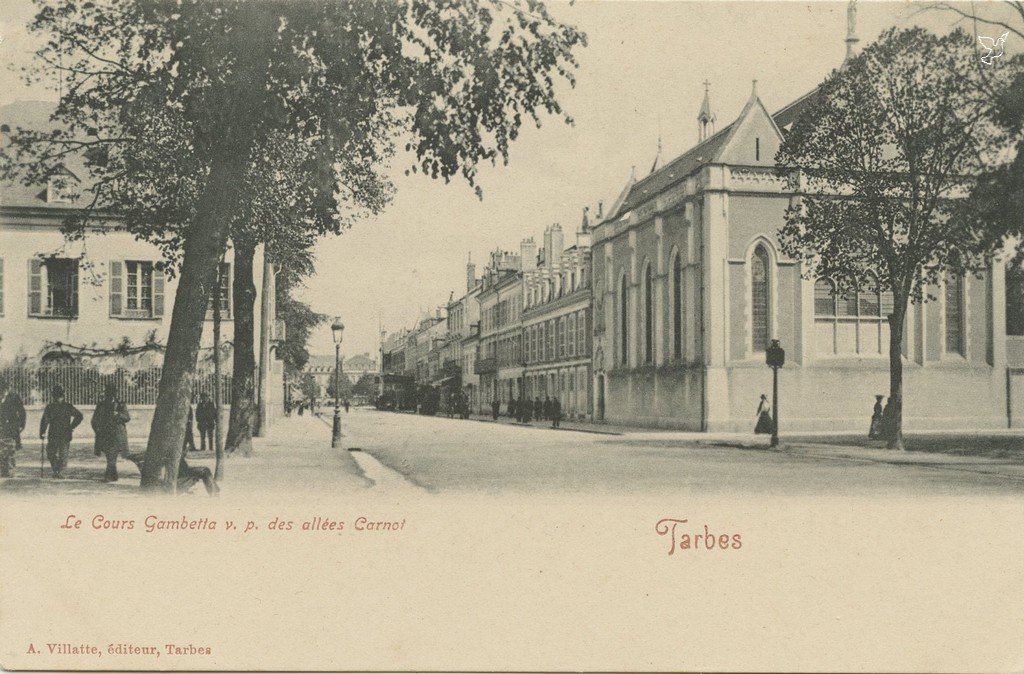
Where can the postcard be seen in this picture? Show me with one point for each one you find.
(511, 335)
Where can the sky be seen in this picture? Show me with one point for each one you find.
(639, 77)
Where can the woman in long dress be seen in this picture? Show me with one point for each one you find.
(875, 432)
(764, 416)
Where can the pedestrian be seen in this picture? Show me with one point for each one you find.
(302, 407)
(189, 445)
(538, 408)
(527, 409)
(109, 421)
(513, 409)
(206, 421)
(886, 427)
(875, 431)
(60, 418)
(11, 423)
(556, 413)
(495, 407)
(547, 408)
(346, 406)
(764, 416)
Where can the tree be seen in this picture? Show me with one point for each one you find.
(885, 154)
(366, 386)
(344, 388)
(171, 103)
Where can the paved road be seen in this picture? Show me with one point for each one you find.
(440, 455)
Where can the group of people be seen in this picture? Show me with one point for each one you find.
(525, 410)
(110, 425)
(205, 418)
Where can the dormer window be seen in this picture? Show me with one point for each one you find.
(60, 188)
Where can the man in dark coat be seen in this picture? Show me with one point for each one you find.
(109, 424)
(547, 408)
(60, 418)
(495, 406)
(556, 413)
(12, 415)
(206, 419)
(538, 408)
(189, 443)
(526, 410)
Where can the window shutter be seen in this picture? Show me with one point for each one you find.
(73, 295)
(35, 287)
(158, 292)
(116, 287)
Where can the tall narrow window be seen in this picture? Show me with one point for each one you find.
(1015, 300)
(760, 299)
(677, 307)
(648, 316)
(757, 149)
(954, 313)
(623, 322)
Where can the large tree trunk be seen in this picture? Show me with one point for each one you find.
(243, 385)
(204, 241)
(897, 325)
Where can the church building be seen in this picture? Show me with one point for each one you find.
(690, 286)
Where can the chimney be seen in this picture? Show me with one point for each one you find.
(547, 246)
(528, 254)
(470, 274)
(557, 243)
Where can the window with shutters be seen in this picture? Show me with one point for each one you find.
(855, 322)
(571, 341)
(53, 288)
(136, 289)
(225, 293)
(955, 314)
(581, 333)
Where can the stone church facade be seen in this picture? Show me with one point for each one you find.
(690, 285)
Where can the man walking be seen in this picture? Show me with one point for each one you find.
(547, 408)
(60, 418)
(556, 413)
(109, 424)
(538, 408)
(206, 420)
(495, 406)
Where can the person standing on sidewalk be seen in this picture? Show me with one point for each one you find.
(495, 406)
(875, 431)
(538, 408)
(556, 413)
(109, 423)
(764, 416)
(60, 418)
(12, 414)
(206, 420)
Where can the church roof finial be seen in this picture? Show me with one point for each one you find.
(706, 118)
(851, 31)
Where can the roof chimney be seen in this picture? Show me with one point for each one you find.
(528, 254)
(470, 274)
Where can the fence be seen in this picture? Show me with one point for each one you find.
(83, 385)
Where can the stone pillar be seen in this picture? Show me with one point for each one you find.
(714, 224)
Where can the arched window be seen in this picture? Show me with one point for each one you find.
(954, 313)
(648, 316)
(623, 322)
(760, 301)
(677, 307)
(1014, 300)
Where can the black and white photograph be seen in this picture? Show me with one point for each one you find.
(511, 335)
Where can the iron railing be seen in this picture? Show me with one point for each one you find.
(84, 385)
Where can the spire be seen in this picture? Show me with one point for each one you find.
(851, 31)
(705, 118)
(657, 156)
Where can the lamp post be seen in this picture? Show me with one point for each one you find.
(775, 357)
(337, 330)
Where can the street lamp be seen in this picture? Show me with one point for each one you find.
(337, 330)
(775, 357)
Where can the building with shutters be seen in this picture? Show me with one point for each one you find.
(100, 292)
(556, 320)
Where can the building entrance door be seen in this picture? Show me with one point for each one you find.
(600, 398)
